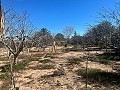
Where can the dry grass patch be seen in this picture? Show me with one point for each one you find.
(46, 61)
(5, 85)
(37, 55)
(43, 66)
(73, 60)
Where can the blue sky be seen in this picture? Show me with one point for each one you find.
(57, 14)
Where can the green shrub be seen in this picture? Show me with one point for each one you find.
(110, 56)
(32, 59)
(72, 62)
(4, 76)
(90, 72)
(106, 62)
(117, 58)
(102, 77)
(5, 68)
(19, 66)
(75, 46)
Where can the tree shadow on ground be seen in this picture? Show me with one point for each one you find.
(101, 77)
(114, 56)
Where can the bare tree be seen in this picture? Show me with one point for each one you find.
(17, 28)
(113, 15)
(41, 38)
(68, 31)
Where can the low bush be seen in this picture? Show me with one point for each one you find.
(19, 66)
(110, 56)
(4, 76)
(102, 77)
(5, 68)
(106, 62)
(90, 72)
(31, 59)
(73, 60)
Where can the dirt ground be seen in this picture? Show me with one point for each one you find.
(33, 79)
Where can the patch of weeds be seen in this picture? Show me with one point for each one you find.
(23, 64)
(4, 76)
(5, 68)
(116, 67)
(106, 62)
(51, 56)
(32, 59)
(55, 53)
(45, 66)
(46, 61)
(73, 60)
(102, 77)
(19, 66)
(90, 72)
(94, 58)
(22, 56)
(117, 58)
(110, 56)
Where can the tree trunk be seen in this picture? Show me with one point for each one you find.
(43, 49)
(15, 60)
(12, 75)
(106, 44)
(53, 48)
(87, 72)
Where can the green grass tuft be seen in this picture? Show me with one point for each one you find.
(4, 76)
(19, 66)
